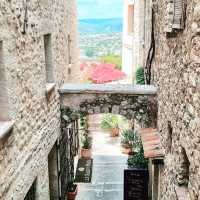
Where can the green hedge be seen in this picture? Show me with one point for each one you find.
(140, 76)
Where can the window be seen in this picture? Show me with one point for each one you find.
(130, 19)
(31, 195)
(4, 106)
(69, 54)
(170, 131)
(175, 17)
(48, 58)
(69, 49)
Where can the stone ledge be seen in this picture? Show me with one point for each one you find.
(5, 128)
(182, 192)
(50, 87)
(108, 89)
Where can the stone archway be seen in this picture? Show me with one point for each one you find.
(131, 103)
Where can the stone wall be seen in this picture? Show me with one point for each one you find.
(139, 108)
(176, 72)
(36, 113)
(74, 74)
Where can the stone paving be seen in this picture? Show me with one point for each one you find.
(109, 163)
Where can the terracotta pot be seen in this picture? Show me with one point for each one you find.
(114, 132)
(126, 150)
(86, 153)
(72, 195)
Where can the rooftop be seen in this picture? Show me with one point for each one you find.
(151, 143)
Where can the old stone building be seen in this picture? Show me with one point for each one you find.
(37, 53)
(175, 70)
(168, 49)
(136, 35)
(128, 35)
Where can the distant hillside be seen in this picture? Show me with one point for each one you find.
(100, 25)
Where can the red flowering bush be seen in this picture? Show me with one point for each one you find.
(103, 73)
(83, 66)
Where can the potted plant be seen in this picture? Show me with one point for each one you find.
(110, 122)
(138, 160)
(137, 175)
(129, 141)
(126, 146)
(72, 190)
(140, 76)
(86, 151)
(85, 139)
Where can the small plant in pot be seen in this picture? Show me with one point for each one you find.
(72, 190)
(110, 122)
(129, 141)
(86, 151)
(138, 160)
(126, 146)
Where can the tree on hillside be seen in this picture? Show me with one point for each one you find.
(112, 59)
(89, 52)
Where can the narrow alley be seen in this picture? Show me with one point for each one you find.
(108, 168)
(134, 61)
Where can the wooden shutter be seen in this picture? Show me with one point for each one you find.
(178, 14)
(175, 15)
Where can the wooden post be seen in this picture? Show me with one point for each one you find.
(155, 182)
(150, 179)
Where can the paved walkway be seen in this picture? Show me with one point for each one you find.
(109, 163)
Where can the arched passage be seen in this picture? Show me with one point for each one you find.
(132, 101)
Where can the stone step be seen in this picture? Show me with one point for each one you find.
(110, 159)
(109, 186)
(101, 195)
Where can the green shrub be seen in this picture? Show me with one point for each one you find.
(112, 59)
(130, 138)
(140, 76)
(83, 122)
(86, 141)
(109, 121)
(138, 160)
(89, 52)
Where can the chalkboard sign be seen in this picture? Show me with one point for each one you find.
(136, 184)
(84, 171)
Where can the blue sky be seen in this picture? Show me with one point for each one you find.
(99, 9)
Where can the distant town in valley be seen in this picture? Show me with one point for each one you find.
(100, 37)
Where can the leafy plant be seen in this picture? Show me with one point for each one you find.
(83, 122)
(71, 186)
(112, 59)
(86, 141)
(89, 52)
(125, 137)
(140, 76)
(130, 138)
(138, 160)
(109, 121)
